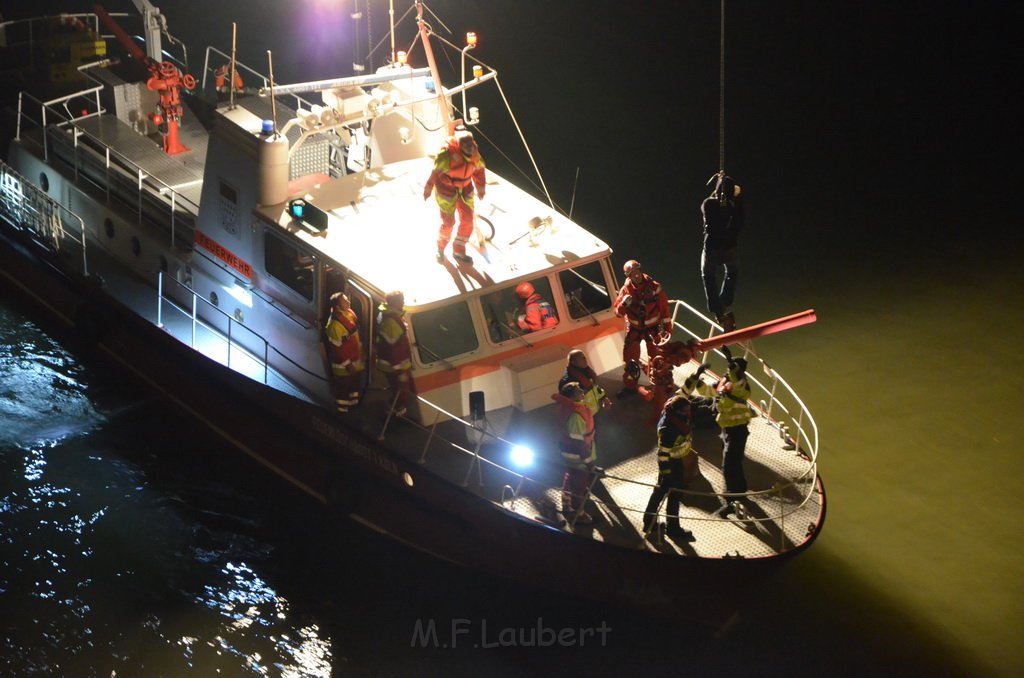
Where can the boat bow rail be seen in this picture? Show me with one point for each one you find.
(785, 504)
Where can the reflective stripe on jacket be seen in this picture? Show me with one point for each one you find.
(453, 171)
(393, 351)
(649, 306)
(577, 439)
(344, 347)
(730, 394)
(587, 378)
(539, 315)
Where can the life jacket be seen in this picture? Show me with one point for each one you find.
(731, 396)
(577, 447)
(538, 312)
(587, 380)
(394, 354)
(453, 170)
(675, 439)
(650, 305)
(343, 345)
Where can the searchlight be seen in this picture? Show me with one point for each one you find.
(522, 456)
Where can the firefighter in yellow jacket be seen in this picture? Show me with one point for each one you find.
(458, 168)
(345, 351)
(675, 444)
(732, 413)
(578, 450)
(394, 353)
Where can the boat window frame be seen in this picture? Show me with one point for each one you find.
(300, 251)
(496, 330)
(419, 345)
(609, 281)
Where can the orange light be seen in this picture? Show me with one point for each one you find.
(471, 39)
(477, 71)
(403, 58)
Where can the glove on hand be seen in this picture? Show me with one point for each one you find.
(701, 370)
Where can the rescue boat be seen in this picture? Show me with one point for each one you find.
(193, 234)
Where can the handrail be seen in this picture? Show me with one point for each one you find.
(475, 460)
(197, 321)
(770, 392)
(103, 153)
(32, 209)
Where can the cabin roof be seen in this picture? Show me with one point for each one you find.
(382, 230)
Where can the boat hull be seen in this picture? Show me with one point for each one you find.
(345, 468)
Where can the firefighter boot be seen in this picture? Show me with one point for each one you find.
(676, 531)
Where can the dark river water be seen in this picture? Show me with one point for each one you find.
(878, 146)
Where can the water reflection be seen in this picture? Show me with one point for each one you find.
(101, 571)
(246, 600)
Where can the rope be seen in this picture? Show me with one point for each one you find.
(721, 92)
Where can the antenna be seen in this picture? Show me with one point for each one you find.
(273, 101)
(572, 200)
(231, 85)
(391, 16)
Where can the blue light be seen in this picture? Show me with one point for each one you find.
(522, 456)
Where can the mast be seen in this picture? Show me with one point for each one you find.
(425, 36)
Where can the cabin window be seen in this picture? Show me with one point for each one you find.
(289, 264)
(505, 312)
(444, 332)
(586, 291)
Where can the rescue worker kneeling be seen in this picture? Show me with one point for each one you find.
(675, 449)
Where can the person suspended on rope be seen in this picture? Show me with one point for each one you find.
(723, 217)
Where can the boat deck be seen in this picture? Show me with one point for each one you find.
(782, 507)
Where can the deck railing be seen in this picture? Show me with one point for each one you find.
(221, 337)
(51, 224)
(91, 159)
(517, 485)
(779, 403)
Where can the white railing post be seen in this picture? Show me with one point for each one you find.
(160, 299)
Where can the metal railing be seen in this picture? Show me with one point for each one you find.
(29, 208)
(89, 158)
(254, 348)
(779, 403)
(515, 485)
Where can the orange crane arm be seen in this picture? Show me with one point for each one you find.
(678, 352)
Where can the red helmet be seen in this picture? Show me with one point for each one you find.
(630, 266)
(524, 290)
